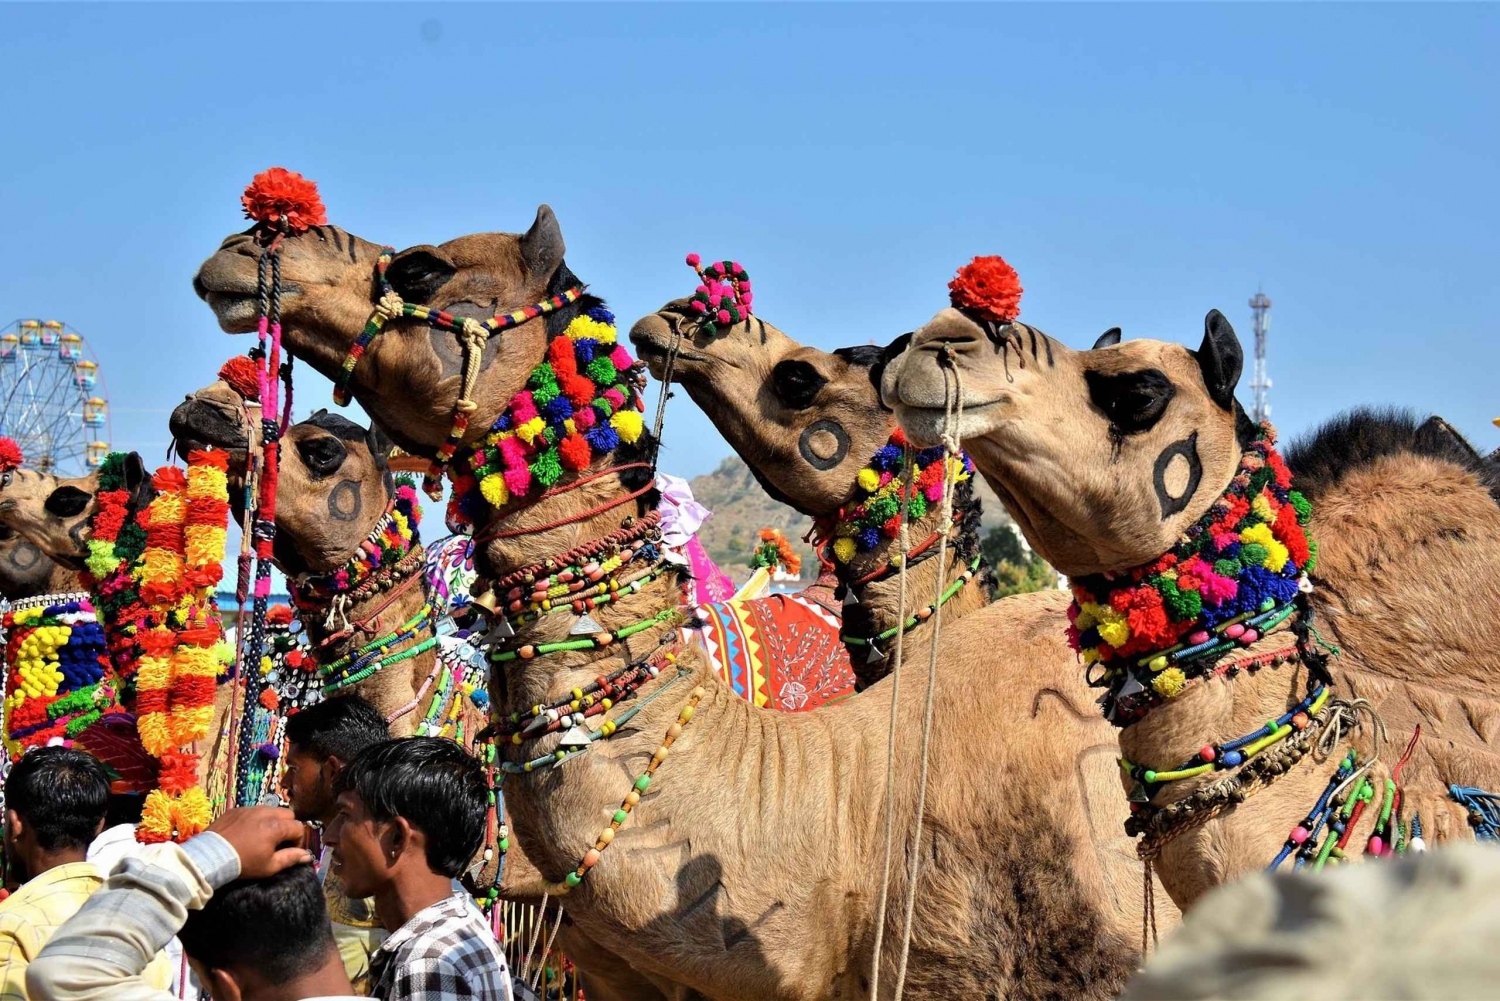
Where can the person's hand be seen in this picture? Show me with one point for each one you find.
(267, 839)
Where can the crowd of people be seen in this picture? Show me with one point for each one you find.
(244, 910)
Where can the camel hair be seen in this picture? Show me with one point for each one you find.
(750, 867)
(1105, 457)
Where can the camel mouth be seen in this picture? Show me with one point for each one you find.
(227, 283)
(653, 336)
(196, 425)
(926, 424)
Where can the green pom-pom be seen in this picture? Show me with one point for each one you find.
(918, 507)
(1312, 557)
(544, 394)
(1227, 568)
(883, 509)
(601, 370)
(131, 541)
(1181, 605)
(1253, 554)
(1301, 505)
(542, 375)
(547, 468)
(1259, 479)
(605, 409)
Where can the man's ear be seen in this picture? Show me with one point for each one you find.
(404, 836)
(223, 985)
(100, 829)
(14, 826)
(333, 766)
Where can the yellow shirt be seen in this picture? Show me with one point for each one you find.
(29, 916)
(356, 932)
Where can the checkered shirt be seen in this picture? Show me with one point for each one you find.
(445, 952)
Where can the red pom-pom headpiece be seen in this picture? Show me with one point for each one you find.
(10, 455)
(987, 287)
(284, 199)
(240, 373)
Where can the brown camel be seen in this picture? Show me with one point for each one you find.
(334, 491)
(27, 572)
(1104, 457)
(750, 867)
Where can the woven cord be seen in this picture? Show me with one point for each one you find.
(953, 414)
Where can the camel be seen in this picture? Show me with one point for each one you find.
(693, 894)
(1106, 457)
(27, 572)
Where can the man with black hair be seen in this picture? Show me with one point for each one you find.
(241, 896)
(56, 799)
(410, 819)
(321, 741)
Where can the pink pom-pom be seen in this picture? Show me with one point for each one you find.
(735, 266)
(745, 285)
(699, 306)
(886, 477)
(522, 406)
(620, 358)
(615, 397)
(746, 300)
(694, 260)
(518, 481)
(715, 299)
(513, 452)
(935, 492)
(723, 317)
(583, 418)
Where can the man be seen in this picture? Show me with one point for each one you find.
(55, 802)
(321, 741)
(241, 896)
(410, 819)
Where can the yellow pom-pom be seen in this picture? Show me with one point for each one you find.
(1088, 615)
(493, 489)
(868, 479)
(570, 426)
(1112, 627)
(844, 550)
(1262, 508)
(1170, 683)
(528, 431)
(586, 327)
(628, 424)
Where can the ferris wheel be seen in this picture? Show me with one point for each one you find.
(52, 399)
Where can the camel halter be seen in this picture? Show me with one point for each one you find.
(472, 335)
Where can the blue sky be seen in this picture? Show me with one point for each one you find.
(1138, 164)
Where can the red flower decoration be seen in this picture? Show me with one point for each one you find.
(240, 374)
(279, 197)
(10, 455)
(987, 287)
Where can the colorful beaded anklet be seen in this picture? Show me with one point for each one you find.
(641, 784)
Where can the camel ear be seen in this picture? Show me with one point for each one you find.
(1437, 437)
(542, 245)
(1108, 339)
(418, 272)
(1220, 359)
(137, 480)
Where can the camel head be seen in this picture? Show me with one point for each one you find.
(805, 421)
(26, 571)
(333, 486)
(52, 513)
(410, 375)
(1103, 457)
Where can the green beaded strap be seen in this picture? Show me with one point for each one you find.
(921, 616)
(596, 642)
(380, 665)
(375, 644)
(604, 593)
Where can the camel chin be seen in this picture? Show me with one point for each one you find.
(237, 314)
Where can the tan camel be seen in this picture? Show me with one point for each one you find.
(750, 867)
(335, 489)
(1104, 457)
(27, 572)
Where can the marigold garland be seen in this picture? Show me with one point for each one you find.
(776, 550)
(582, 401)
(156, 574)
(1247, 553)
(862, 526)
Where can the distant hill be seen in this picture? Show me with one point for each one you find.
(741, 508)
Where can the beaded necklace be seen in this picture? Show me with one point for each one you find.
(922, 615)
(375, 656)
(583, 400)
(597, 641)
(1231, 578)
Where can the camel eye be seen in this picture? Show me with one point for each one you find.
(67, 502)
(796, 383)
(323, 455)
(1133, 401)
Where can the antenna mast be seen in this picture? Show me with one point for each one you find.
(1260, 385)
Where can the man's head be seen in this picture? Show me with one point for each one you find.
(410, 806)
(321, 741)
(256, 934)
(55, 802)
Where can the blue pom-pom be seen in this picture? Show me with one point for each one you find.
(480, 698)
(559, 408)
(600, 315)
(602, 437)
(584, 350)
(504, 422)
(270, 750)
(887, 458)
(868, 538)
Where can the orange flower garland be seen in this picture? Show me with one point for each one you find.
(180, 637)
(775, 550)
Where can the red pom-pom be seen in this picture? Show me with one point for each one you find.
(988, 287)
(240, 375)
(575, 452)
(284, 197)
(281, 615)
(10, 455)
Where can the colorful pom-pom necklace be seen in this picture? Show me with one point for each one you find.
(723, 297)
(1232, 577)
(56, 684)
(862, 526)
(582, 402)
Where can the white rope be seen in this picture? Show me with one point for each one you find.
(537, 921)
(953, 412)
(541, 963)
(903, 541)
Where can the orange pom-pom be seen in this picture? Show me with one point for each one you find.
(280, 615)
(284, 198)
(269, 699)
(987, 287)
(241, 376)
(575, 452)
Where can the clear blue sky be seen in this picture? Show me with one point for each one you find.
(1138, 164)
